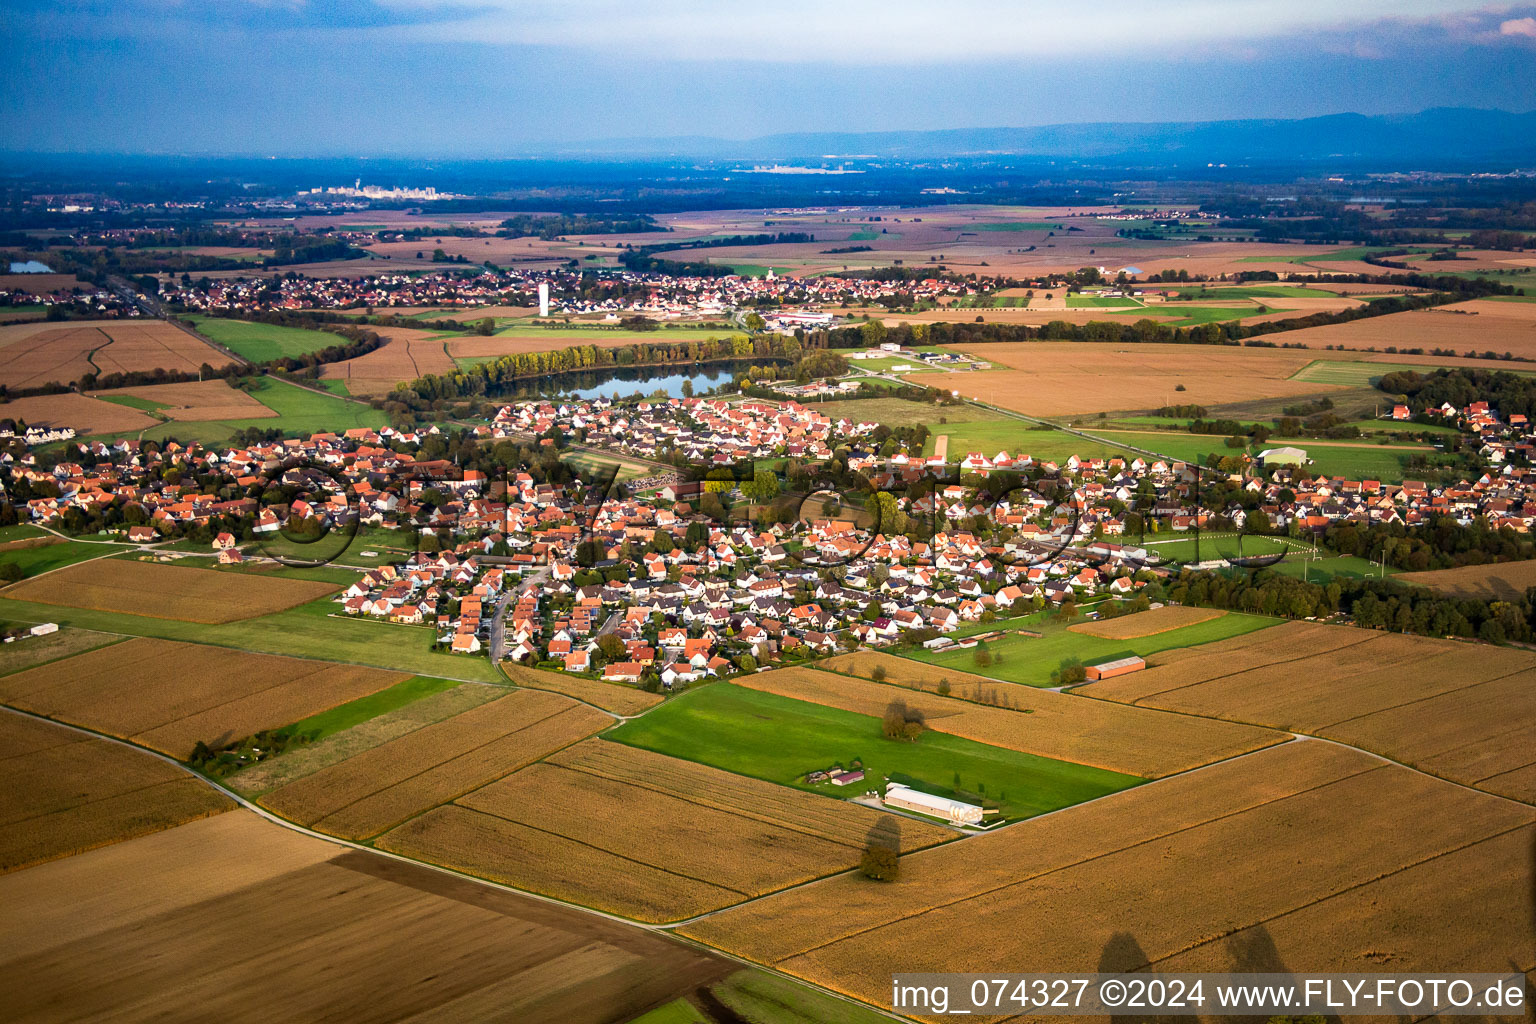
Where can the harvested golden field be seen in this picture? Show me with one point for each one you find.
(167, 591)
(1134, 875)
(1478, 326)
(405, 355)
(1463, 712)
(43, 284)
(62, 792)
(195, 401)
(1157, 620)
(380, 787)
(233, 909)
(1498, 581)
(645, 835)
(84, 414)
(168, 695)
(1033, 720)
(1062, 378)
(621, 700)
(36, 354)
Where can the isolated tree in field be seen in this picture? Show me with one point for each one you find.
(879, 862)
(944, 689)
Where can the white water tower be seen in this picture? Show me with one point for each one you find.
(543, 298)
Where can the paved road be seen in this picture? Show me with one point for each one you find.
(497, 647)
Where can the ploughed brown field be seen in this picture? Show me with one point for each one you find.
(84, 414)
(1295, 858)
(621, 700)
(1497, 581)
(646, 835)
(406, 354)
(232, 912)
(1465, 713)
(197, 400)
(1147, 623)
(63, 792)
(1061, 378)
(1018, 717)
(382, 786)
(1479, 326)
(168, 695)
(35, 354)
(167, 591)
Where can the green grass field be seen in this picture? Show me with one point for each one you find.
(1363, 374)
(1182, 550)
(47, 557)
(599, 466)
(1013, 225)
(1031, 660)
(315, 630)
(356, 712)
(893, 412)
(389, 547)
(133, 402)
(884, 363)
(780, 739)
(1266, 291)
(300, 412)
(261, 343)
(1100, 302)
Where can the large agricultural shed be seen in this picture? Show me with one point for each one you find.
(956, 811)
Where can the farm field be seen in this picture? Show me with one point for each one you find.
(85, 414)
(1033, 721)
(316, 630)
(39, 353)
(353, 737)
(1477, 326)
(347, 935)
(38, 650)
(1363, 373)
(169, 696)
(613, 697)
(645, 835)
(167, 591)
(382, 786)
(1065, 378)
(190, 401)
(752, 731)
(1147, 623)
(1430, 704)
(1133, 875)
(405, 355)
(1031, 660)
(63, 792)
(44, 554)
(262, 343)
(302, 412)
(1497, 581)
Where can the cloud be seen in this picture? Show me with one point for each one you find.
(855, 32)
(1518, 27)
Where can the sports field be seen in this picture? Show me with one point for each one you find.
(780, 739)
(1031, 660)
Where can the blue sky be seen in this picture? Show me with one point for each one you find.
(501, 77)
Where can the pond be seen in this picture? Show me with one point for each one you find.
(630, 382)
(30, 267)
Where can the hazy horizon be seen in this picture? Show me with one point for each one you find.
(504, 78)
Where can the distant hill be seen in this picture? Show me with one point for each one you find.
(1436, 137)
